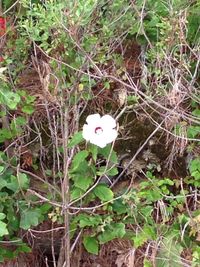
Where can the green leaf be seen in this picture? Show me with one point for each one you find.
(78, 158)
(76, 139)
(106, 152)
(132, 99)
(23, 180)
(16, 125)
(94, 151)
(115, 230)
(2, 216)
(147, 263)
(89, 220)
(76, 193)
(20, 121)
(194, 165)
(169, 253)
(196, 112)
(3, 229)
(83, 182)
(1, 169)
(148, 233)
(147, 211)
(103, 192)
(30, 99)
(150, 195)
(12, 219)
(106, 170)
(82, 168)
(119, 207)
(140, 239)
(91, 244)
(23, 248)
(193, 131)
(196, 255)
(3, 183)
(5, 134)
(195, 174)
(28, 109)
(13, 183)
(30, 218)
(11, 99)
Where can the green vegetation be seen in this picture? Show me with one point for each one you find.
(63, 60)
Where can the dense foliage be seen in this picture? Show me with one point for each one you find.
(61, 60)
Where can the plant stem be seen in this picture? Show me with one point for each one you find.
(65, 250)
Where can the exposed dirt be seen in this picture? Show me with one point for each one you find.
(33, 259)
(117, 253)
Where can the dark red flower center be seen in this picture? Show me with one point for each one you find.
(98, 130)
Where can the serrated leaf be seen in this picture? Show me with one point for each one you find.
(82, 168)
(19, 182)
(28, 109)
(193, 131)
(88, 220)
(103, 192)
(24, 248)
(12, 100)
(45, 208)
(106, 170)
(139, 240)
(115, 230)
(3, 183)
(5, 134)
(30, 99)
(194, 165)
(94, 151)
(76, 193)
(76, 139)
(23, 180)
(169, 253)
(196, 112)
(30, 218)
(83, 182)
(106, 152)
(146, 210)
(13, 183)
(91, 244)
(78, 158)
(119, 207)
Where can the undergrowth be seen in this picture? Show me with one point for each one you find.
(63, 60)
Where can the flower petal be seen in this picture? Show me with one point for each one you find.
(98, 140)
(102, 144)
(87, 131)
(108, 121)
(109, 135)
(93, 119)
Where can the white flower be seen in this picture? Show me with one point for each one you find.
(100, 131)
